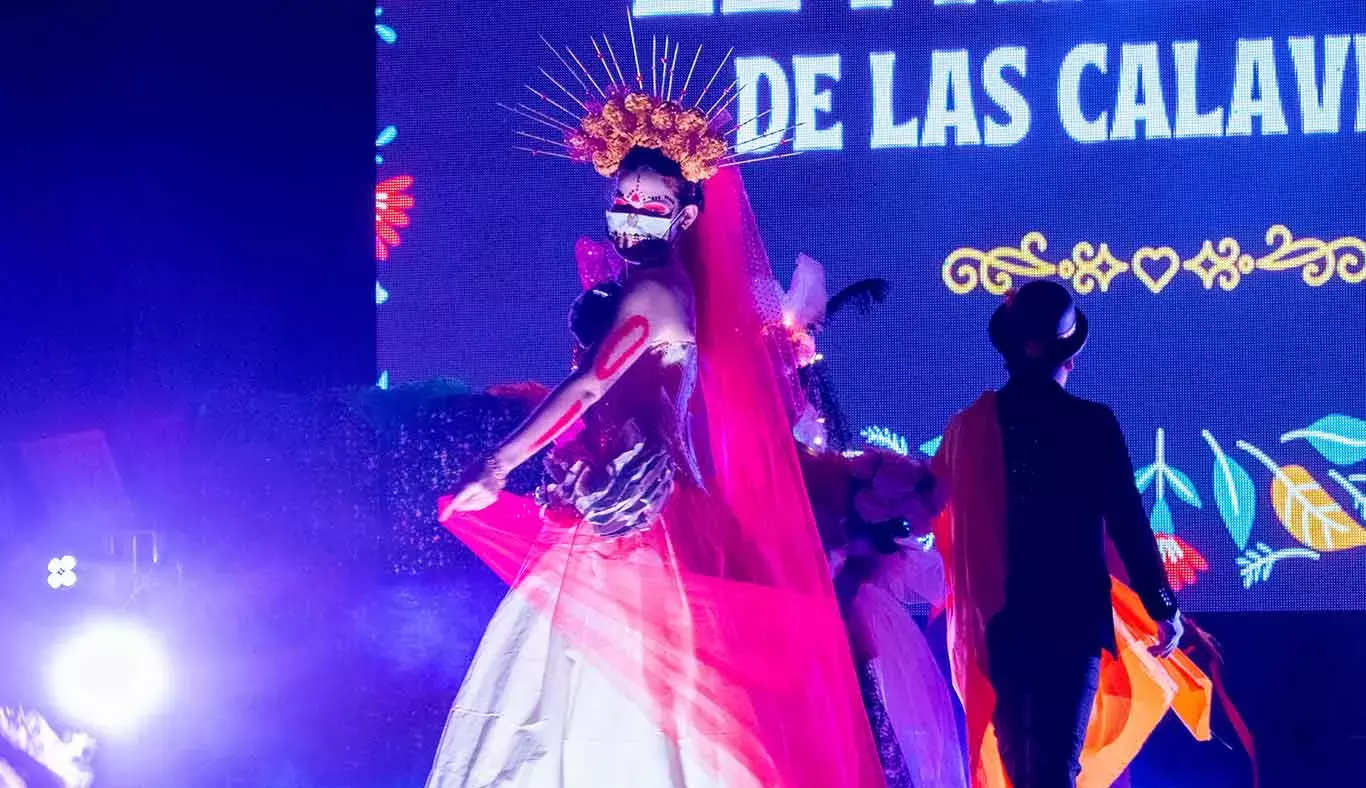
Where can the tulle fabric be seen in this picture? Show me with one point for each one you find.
(1136, 689)
(913, 691)
(787, 654)
(720, 621)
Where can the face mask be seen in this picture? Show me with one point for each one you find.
(641, 238)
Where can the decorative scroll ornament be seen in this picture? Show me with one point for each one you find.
(1224, 264)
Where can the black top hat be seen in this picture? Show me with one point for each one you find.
(1039, 322)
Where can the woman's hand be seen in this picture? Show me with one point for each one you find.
(836, 557)
(856, 551)
(478, 493)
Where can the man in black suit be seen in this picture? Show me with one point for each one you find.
(1069, 481)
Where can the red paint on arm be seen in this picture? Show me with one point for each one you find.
(621, 346)
(616, 353)
(561, 424)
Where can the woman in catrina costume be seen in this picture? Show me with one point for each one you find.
(670, 620)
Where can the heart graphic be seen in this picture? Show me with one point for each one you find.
(1148, 256)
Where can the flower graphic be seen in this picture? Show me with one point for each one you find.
(1182, 561)
(391, 204)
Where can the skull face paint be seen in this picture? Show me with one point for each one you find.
(644, 219)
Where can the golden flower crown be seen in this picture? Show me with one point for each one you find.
(616, 116)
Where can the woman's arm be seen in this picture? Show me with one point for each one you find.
(649, 313)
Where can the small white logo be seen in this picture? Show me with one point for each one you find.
(61, 572)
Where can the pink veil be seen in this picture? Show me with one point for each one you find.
(725, 629)
(790, 654)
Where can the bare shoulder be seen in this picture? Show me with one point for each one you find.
(664, 300)
(649, 289)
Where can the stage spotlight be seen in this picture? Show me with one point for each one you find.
(110, 676)
(61, 572)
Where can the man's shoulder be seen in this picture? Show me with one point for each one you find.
(984, 405)
(1095, 412)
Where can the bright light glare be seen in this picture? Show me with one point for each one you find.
(110, 676)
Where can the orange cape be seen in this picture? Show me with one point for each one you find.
(1136, 689)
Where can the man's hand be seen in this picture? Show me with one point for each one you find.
(1169, 634)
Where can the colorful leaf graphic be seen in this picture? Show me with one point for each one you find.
(1340, 439)
(1144, 477)
(1350, 485)
(1256, 564)
(931, 447)
(385, 33)
(884, 438)
(1308, 512)
(386, 136)
(1166, 476)
(1161, 518)
(1183, 487)
(1234, 493)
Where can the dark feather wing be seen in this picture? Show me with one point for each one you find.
(861, 295)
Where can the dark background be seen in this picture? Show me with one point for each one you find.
(187, 203)
(187, 248)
